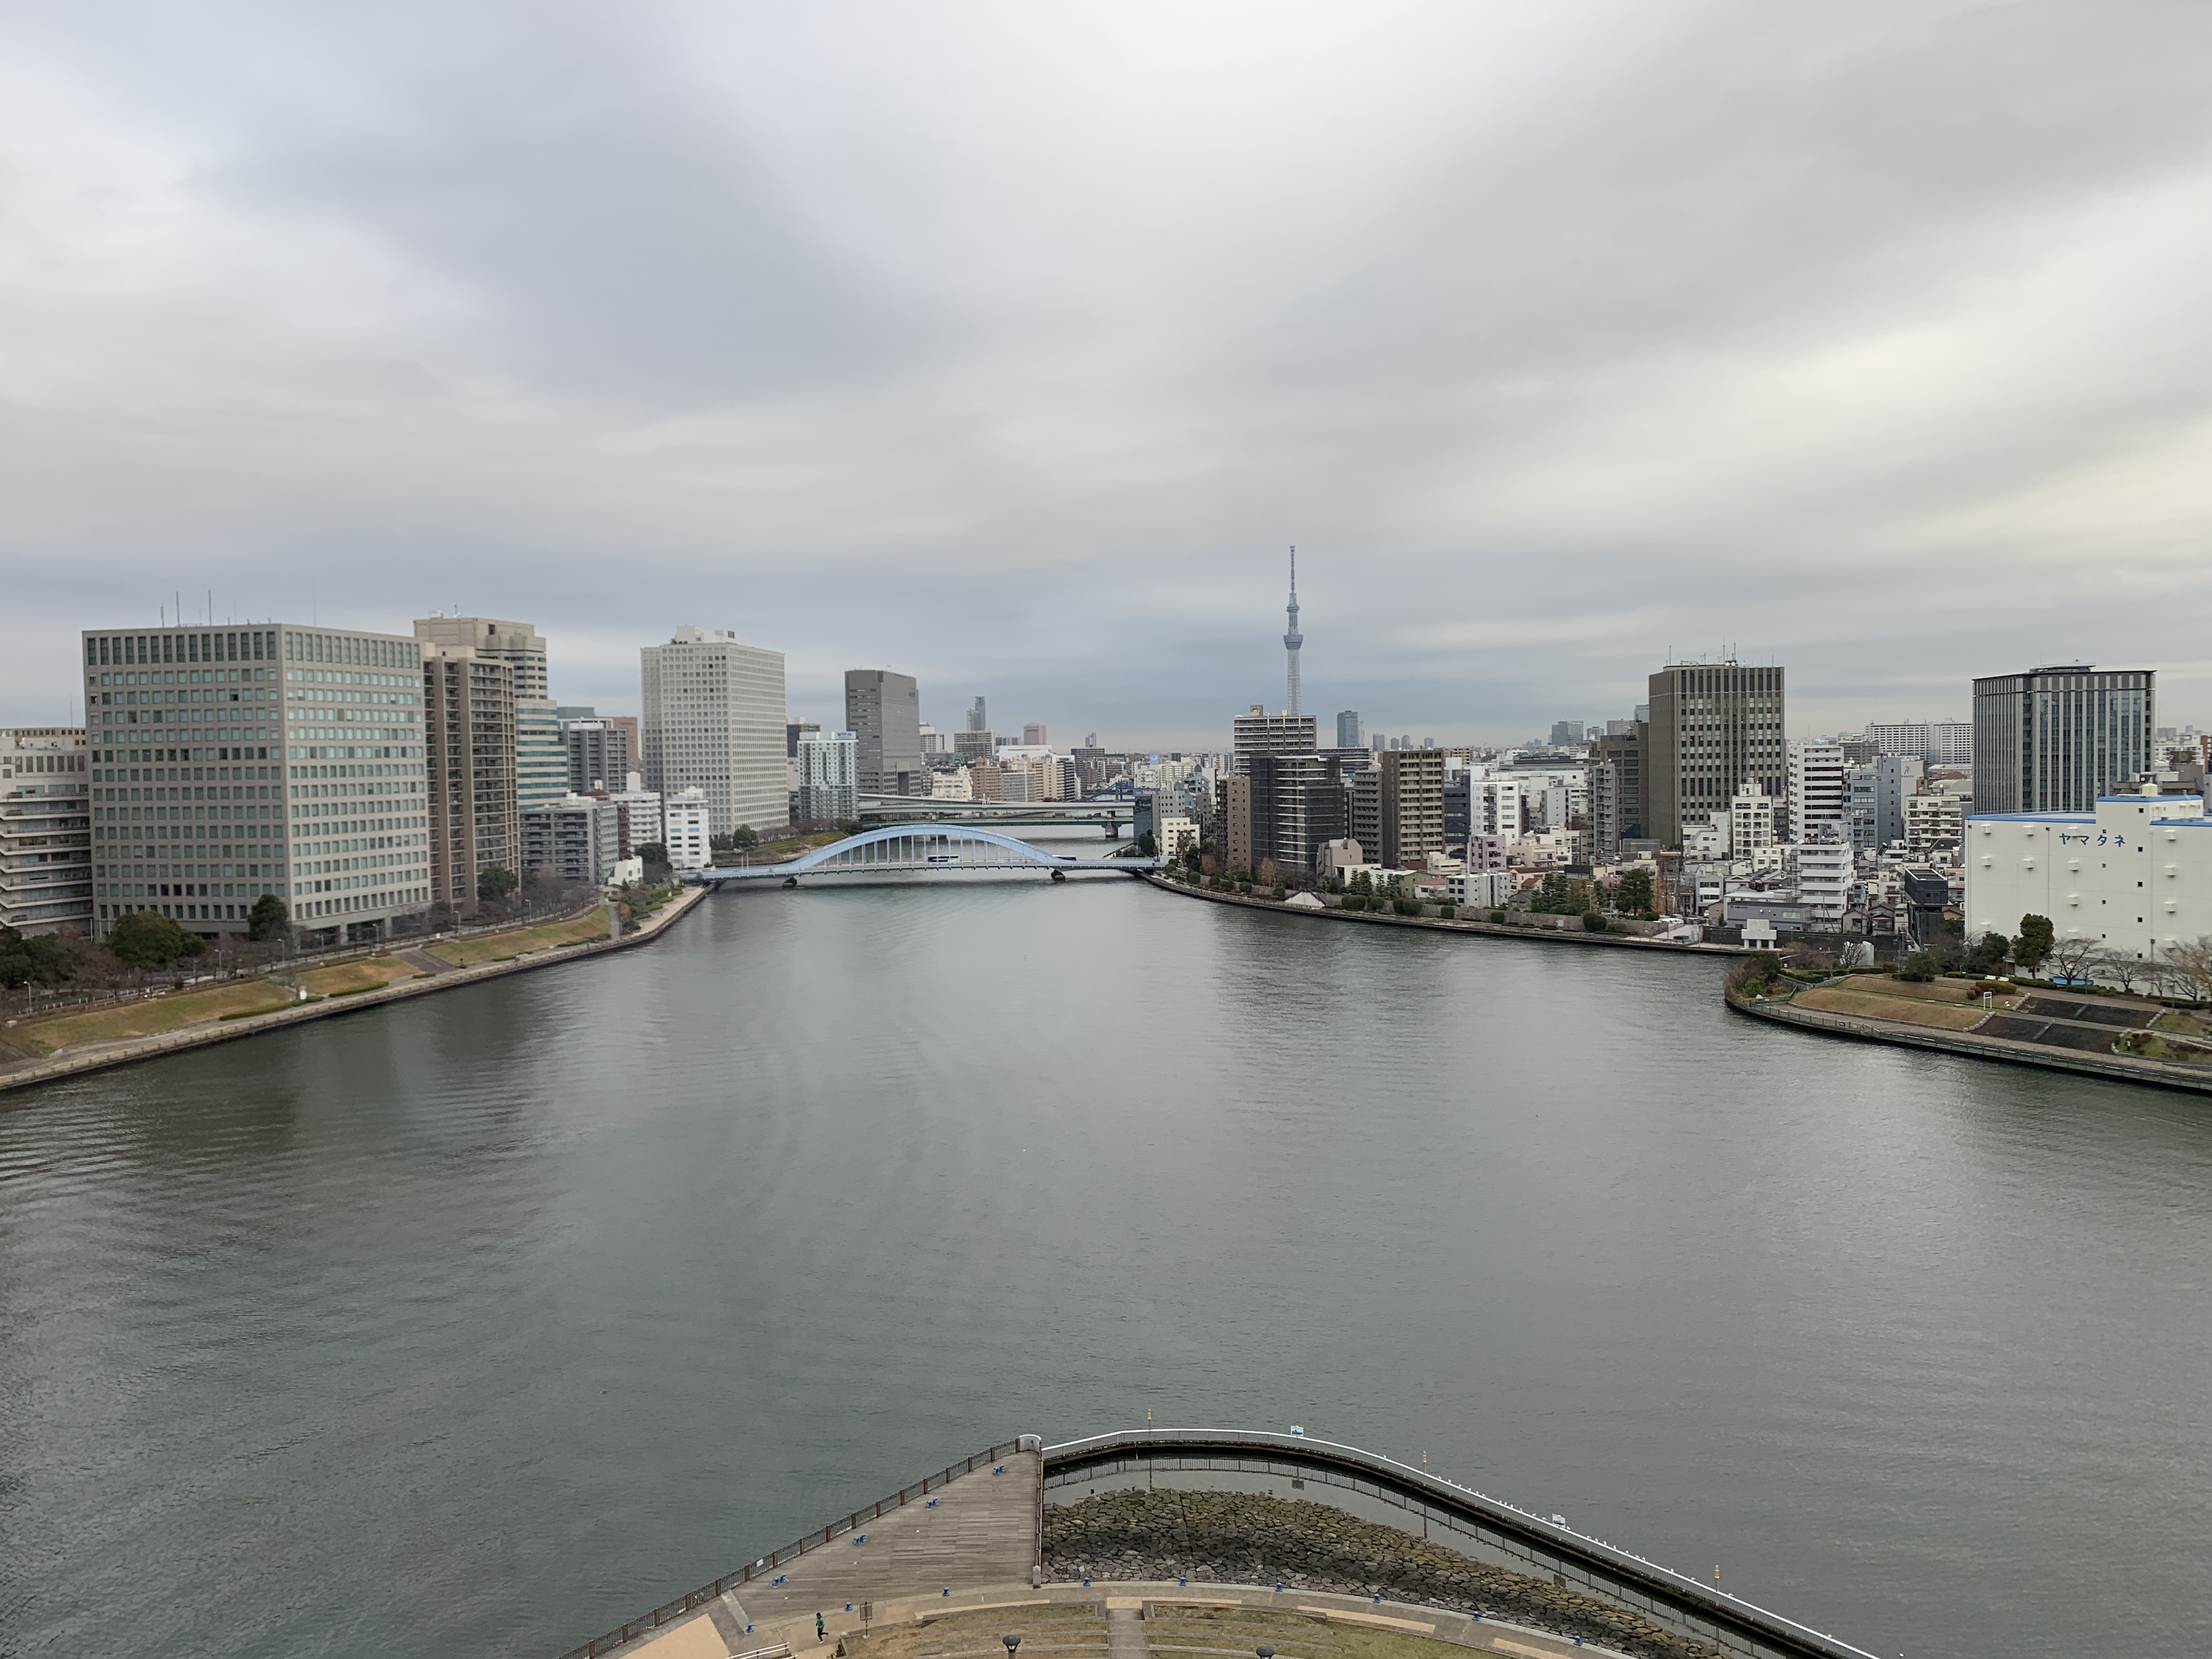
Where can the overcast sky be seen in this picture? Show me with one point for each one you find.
(1011, 346)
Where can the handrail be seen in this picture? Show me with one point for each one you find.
(1772, 1631)
(692, 1601)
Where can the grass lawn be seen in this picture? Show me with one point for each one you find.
(365, 975)
(2183, 1024)
(148, 1018)
(1049, 1628)
(1933, 990)
(513, 941)
(2148, 1045)
(1944, 1015)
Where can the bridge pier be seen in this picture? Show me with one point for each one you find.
(1059, 875)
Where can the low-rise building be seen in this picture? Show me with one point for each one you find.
(1483, 890)
(1932, 821)
(577, 838)
(2135, 876)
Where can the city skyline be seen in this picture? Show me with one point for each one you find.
(1811, 333)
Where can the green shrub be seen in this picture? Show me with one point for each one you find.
(1406, 907)
(1920, 967)
(1498, 915)
(1447, 911)
(1593, 922)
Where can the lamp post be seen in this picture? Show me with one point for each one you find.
(1012, 1642)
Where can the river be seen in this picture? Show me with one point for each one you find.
(475, 1324)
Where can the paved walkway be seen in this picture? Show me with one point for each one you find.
(1125, 1629)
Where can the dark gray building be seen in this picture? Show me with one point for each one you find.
(599, 755)
(882, 711)
(2054, 739)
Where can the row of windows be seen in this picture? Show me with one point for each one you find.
(127, 650)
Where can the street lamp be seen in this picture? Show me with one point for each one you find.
(1012, 1642)
(1264, 1651)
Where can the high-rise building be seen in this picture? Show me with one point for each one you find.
(1233, 811)
(468, 725)
(1410, 807)
(1033, 735)
(714, 721)
(882, 711)
(45, 829)
(979, 717)
(829, 778)
(1815, 806)
(230, 763)
(599, 755)
(1297, 808)
(1293, 641)
(1616, 786)
(1565, 734)
(2057, 739)
(541, 754)
(1712, 726)
(1350, 735)
(1258, 733)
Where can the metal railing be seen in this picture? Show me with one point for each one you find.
(693, 1601)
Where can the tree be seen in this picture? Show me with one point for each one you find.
(268, 920)
(1633, 891)
(27, 957)
(495, 883)
(1919, 966)
(144, 939)
(2073, 957)
(651, 852)
(1267, 876)
(2034, 943)
(745, 836)
(2189, 969)
(1988, 952)
(1594, 921)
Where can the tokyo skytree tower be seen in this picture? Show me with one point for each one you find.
(1294, 640)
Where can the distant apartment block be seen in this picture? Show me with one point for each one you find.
(577, 838)
(829, 777)
(468, 725)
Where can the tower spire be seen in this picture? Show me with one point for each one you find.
(1293, 639)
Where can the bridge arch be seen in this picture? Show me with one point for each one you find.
(918, 848)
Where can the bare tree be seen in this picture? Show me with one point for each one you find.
(2072, 957)
(2187, 971)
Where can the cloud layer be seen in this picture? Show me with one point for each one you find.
(1010, 345)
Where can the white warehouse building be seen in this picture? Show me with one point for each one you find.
(2136, 875)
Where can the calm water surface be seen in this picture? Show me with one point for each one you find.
(474, 1325)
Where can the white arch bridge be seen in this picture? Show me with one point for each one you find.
(950, 849)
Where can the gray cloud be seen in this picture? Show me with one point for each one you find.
(1010, 345)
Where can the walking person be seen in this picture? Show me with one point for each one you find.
(821, 1629)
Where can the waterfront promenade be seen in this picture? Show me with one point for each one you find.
(425, 973)
(1134, 1528)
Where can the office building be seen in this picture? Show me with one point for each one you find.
(882, 711)
(714, 721)
(230, 763)
(1566, 734)
(1816, 805)
(577, 838)
(1033, 734)
(1258, 733)
(1616, 788)
(1874, 798)
(1409, 806)
(683, 829)
(1350, 733)
(829, 774)
(45, 829)
(1712, 726)
(1933, 743)
(468, 727)
(2059, 740)
(541, 754)
(2134, 874)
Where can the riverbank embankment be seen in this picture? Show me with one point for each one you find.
(430, 975)
(1975, 1045)
(1456, 924)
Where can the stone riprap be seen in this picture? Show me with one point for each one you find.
(1248, 1538)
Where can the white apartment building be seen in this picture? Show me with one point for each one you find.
(45, 829)
(955, 784)
(1494, 808)
(1483, 890)
(714, 721)
(232, 763)
(1817, 786)
(1935, 743)
(2135, 875)
(1826, 870)
(1751, 821)
(683, 829)
(641, 816)
(1933, 820)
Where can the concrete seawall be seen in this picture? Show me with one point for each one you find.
(132, 1051)
(1495, 930)
(2118, 1068)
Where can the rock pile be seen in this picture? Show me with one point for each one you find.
(1248, 1539)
